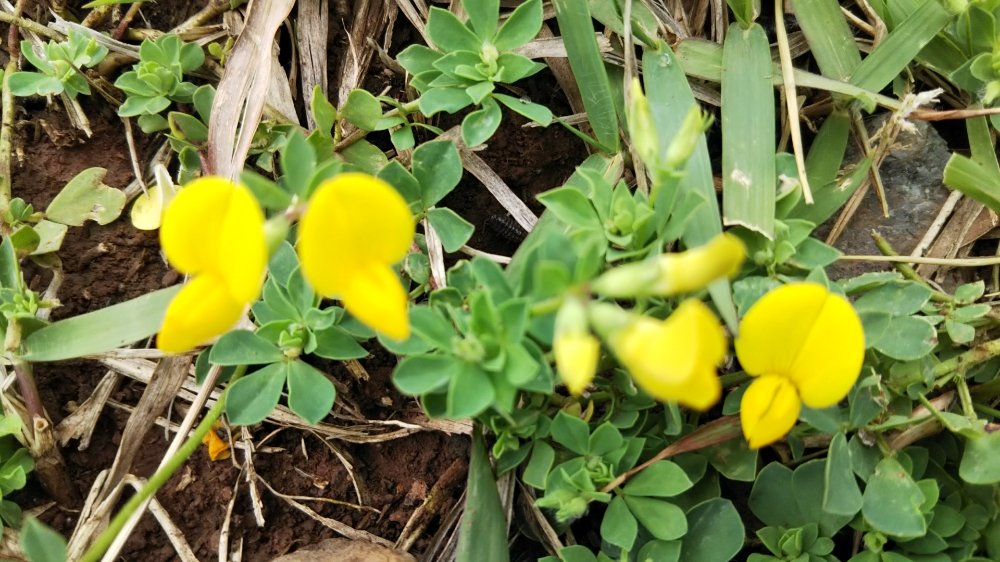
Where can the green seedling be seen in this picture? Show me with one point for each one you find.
(60, 67)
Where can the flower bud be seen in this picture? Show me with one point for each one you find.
(641, 128)
(575, 349)
(686, 140)
(676, 273)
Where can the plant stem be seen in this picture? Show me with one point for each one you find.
(157, 480)
(6, 132)
(30, 25)
(974, 356)
(907, 270)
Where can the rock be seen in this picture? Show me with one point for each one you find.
(345, 550)
(912, 175)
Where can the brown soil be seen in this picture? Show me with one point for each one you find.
(109, 264)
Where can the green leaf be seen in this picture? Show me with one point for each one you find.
(250, 399)
(662, 519)
(437, 167)
(907, 338)
(900, 47)
(959, 332)
(896, 299)
(85, 198)
(748, 139)
(771, 498)
(539, 465)
(572, 207)
(334, 343)
(536, 112)
(892, 501)
(362, 109)
(830, 39)
(323, 112)
(978, 182)
(660, 551)
(419, 374)
(449, 33)
(715, 532)
(453, 229)
(585, 60)
(841, 495)
(479, 126)
(664, 479)
(979, 461)
(418, 58)
(243, 347)
(310, 394)
(40, 543)
(483, 531)
(522, 26)
(365, 156)
(571, 432)
(448, 100)
(618, 526)
(10, 270)
(483, 16)
(99, 331)
(470, 392)
(24, 84)
(298, 162)
(969, 293)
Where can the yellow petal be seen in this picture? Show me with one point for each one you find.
(773, 330)
(242, 257)
(829, 362)
(352, 219)
(202, 310)
(191, 232)
(576, 355)
(675, 359)
(768, 410)
(693, 269)
(376, 297)
(808, 334)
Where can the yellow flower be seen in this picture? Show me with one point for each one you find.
(355, 228)
(675, 273)
(674, 359)
(806, 345)
(213, 230)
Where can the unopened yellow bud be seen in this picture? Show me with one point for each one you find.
(676, 273)
(575, 349)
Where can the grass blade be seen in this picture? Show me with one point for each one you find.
(577, 29)
(829, 37)
(483, 531)
(973, 179)
(101, 330)
(981, 144)
(703, 59)
(901, 46)
(670, 99)
(748, 145)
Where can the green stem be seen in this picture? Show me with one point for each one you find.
(733, 379)
(29, 25)
(6, 133)
(987, 410)
(907, 270)
(157, 480)
(974, 356)
(964, 397)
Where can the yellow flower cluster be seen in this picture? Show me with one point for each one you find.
(804, 344)
(354, 229)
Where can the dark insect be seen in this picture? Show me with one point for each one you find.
(504, 226)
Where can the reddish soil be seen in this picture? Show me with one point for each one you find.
(109, 264)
